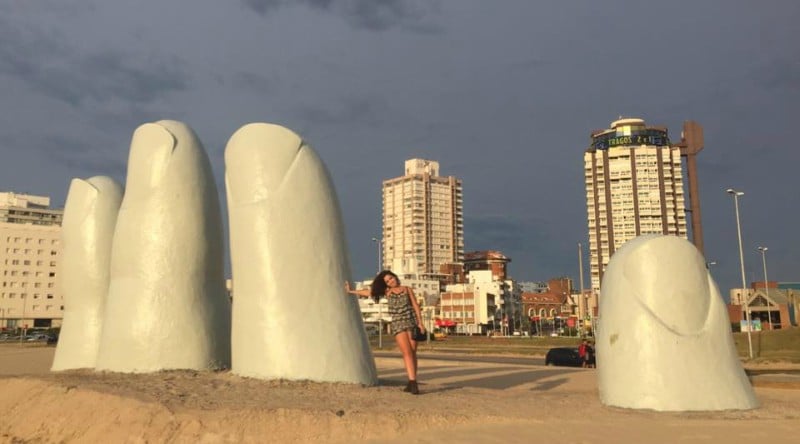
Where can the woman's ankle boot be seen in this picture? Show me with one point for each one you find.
(408, 387)
(412, 387)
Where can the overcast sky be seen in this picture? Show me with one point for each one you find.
(504, 94)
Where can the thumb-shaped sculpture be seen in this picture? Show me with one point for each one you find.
(291, 318)
(87, 230)
(167, 306)
(664, 338)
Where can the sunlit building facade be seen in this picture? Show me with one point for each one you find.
(30, 234)
(634, 186)
(423, 224)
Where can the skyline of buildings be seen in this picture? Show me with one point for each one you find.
(634, 183)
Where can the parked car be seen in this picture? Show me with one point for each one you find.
(38, 337)
(566, 356)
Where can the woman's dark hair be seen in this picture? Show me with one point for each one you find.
(379, 285)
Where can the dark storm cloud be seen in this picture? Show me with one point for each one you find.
(782, 75)
(372, 15)
(350, 110)
(520, 238)
(494, 232)
(46, 64)
(84, 157)
(249, 81)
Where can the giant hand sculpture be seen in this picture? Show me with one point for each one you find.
(664, 337)
(291, 318)
(167, 307)
(87, 230)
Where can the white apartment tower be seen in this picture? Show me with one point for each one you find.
(634, 186)
(29, 249)
(423, 225)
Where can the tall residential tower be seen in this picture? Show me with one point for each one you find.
(634, 186)
(423, 225)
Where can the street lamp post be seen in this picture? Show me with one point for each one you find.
(763, 251)
(378, 243)
(380, 321)
(581, 301)
(736, 195)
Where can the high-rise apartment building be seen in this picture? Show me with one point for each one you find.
(423, 225)
(29, 249)
(634, 186)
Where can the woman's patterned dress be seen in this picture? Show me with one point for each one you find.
(401, 311)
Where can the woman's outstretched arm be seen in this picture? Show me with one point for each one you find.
(360, 293)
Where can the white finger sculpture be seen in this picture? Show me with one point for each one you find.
(664, 338)
(167, 306)
(291, 317)
(87, 230)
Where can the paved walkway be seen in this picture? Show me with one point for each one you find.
(443, 371)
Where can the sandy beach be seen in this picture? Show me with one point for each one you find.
(462, 401)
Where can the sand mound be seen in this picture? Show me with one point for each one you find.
(204, 407)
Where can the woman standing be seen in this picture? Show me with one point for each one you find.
(404, 310)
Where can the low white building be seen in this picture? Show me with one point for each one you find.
(481, 304)
(30, 247)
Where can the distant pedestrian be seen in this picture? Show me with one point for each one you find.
(590, 355)
(582, 352)
(406, 318)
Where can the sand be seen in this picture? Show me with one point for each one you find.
(462, 402)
